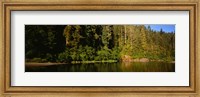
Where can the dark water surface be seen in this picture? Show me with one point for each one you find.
(106, 67)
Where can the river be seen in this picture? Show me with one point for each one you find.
(106, 67)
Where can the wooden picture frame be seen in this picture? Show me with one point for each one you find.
(154, 5)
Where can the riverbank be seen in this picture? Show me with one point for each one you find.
(127, 58)
(43, 64)
(73, 62)
(103, 61)
(31, 64)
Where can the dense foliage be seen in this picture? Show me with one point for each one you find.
(67, 43)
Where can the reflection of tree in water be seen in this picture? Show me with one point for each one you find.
(107, 67)
(126, 66)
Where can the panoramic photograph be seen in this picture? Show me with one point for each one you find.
(100, 48)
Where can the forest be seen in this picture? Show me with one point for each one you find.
(85, 43)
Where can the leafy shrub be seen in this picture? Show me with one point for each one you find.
(64, 57)
(39, 60)
(103, 54)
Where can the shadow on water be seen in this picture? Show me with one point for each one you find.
(106, 67)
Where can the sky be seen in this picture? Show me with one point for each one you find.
(165, 28)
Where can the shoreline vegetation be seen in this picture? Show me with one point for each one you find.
(61, 44)
(86, 62)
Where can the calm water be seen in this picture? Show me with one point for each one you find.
(106, 67)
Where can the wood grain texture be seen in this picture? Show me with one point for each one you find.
(1, 57)
(106, 1)
(57, 94)
(100, 95)
(1, 49)
(198, 51)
